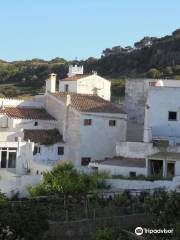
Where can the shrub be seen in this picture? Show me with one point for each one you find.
(26, 219)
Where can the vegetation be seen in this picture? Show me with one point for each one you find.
(65, 180)
(150, 57)
(108, 233)
(22, 221)
(165, 208)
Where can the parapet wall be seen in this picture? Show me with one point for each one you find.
(10, 102)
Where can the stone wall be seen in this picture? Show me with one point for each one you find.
(135, 99)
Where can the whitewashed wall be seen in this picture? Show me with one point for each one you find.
(120, 170)
(10, 102)
(49, 154)
(68, 123)
(161, 100)
(99, 139)
(122, 184)
(72, 86)
(29, 124)
(135, 149)
(87, 85)
(18, 184)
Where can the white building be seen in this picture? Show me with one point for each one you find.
(158, 154)
(90, 125)
(77, 82)
(77, 125)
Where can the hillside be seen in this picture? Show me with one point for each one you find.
(150, 57)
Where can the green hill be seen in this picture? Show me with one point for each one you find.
(150, 57)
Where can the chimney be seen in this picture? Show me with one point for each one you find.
(68, 99)
(51, 83)
(2, 106)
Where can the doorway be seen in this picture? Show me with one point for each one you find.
(156, 168)
(170, 169)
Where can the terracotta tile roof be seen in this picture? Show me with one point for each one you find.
(40, 136)
(26, 113)
(76, 77)
(89, 103)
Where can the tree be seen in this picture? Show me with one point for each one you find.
(65, 180)
(145, 42)
(154, 73)
(165, 209)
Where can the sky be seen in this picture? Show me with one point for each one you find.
(80, 29)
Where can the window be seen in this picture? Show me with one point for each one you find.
(85, 161)
(66, 88)
(152, 84)
(8, 157)
(170, 169)
(60, 150)
(12, 160)
(36, 124)
(87, 122)
(3, 159)
(112, 123)
(172, 116)
(132, 174)
(37, 149)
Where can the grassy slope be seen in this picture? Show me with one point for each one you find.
(19, 91)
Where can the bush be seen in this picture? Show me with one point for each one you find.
(26, 219)
(65, 180)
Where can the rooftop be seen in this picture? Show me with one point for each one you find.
(26, 113)
(124, 162)
(43, 136)
(165, 156)
(76, 77)
(89, 103)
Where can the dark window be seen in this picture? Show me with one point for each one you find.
(60, 150)
(172, 116)
(152, 84)
(85, 161)
(66, 88)
(12, 160)
(36, 124)
(37, 149)
(170, 169)
(87, 122)
(132, 174)
(112, 123)
(3, 159)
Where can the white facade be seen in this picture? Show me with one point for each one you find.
(95, 141)
(51, 83)
(75, 70)
(92, 84)
(98, 141)
(27, 159)
(159, 123)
